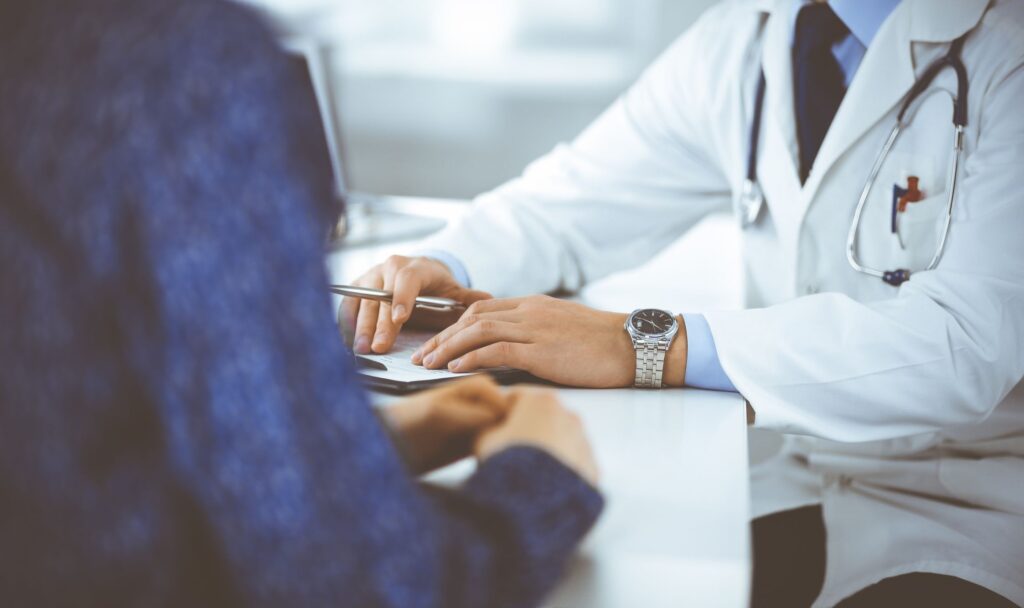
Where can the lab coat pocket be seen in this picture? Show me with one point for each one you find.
(921, 227)
(924, 211)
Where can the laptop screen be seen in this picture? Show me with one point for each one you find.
(311, 65)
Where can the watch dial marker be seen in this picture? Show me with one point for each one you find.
(652, 322)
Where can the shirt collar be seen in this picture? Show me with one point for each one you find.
(863, 17)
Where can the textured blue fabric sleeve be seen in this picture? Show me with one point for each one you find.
(453, 263)
(703, 369)
(180, 424)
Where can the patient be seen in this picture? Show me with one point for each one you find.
(179, 423)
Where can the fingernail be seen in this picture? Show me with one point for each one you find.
(416, 357)
(429, 360)
(380, 339)
(454, 365)
(398, 313)
(362, 344)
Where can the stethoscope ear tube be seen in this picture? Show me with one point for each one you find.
(950, 60)
(751, 198)
(953, 58)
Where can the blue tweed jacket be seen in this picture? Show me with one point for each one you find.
(179, 423)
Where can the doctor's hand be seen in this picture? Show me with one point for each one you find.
(557, 340)
(377, 324)
(436, 428)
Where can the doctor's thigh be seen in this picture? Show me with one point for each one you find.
(789, 571)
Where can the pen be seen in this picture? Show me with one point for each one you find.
(366, 293)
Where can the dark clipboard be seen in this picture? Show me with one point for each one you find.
(405, 387)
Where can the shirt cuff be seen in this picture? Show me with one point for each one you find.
(703, 368)
(457, 268)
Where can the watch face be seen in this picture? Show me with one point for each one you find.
(651, 321)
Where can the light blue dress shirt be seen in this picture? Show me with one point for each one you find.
(458, 268)
(703, 368)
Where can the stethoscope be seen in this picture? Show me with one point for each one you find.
(751, 199)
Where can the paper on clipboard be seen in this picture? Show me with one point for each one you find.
(398, 362)
(400, 373)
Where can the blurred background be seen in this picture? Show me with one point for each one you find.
(449, 98)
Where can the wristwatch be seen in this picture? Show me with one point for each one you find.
(652, 331)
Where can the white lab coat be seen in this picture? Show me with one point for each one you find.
(904, 408)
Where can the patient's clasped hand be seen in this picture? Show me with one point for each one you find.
(476, 417)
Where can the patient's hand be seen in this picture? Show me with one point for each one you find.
(377, 325)
(439, 427)
(560, 341)
(537, 419)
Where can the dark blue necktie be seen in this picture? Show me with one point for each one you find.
(818, 83)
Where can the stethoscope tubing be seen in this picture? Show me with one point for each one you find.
(851, 239)
(753, 199)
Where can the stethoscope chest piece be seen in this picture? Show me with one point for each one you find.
(749, 204)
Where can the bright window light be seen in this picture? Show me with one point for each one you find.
(476, 27)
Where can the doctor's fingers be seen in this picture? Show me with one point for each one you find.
(482, 306)
(366, 325)
(498, 354)
(478, 335)
(364, 312)
(349, 305)
(467, 320)
(387, 332)
(512, 354)
(409, 279)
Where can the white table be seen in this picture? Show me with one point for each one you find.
(675, 531)
(674, 472)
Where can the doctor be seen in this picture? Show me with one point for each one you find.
(902, 475)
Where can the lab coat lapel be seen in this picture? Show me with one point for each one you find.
(885, 75)
(887, 72)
